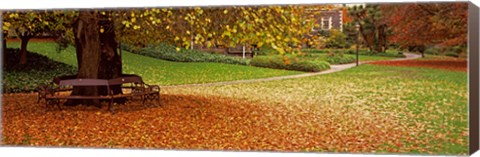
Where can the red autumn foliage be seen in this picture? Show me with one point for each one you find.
(449, 64)
(427, 23)
(345, 17)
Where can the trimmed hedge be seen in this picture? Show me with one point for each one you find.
(340, 59)
(278, 62)
(455, 51)
(169, 52)
(389, 53)
(315, 50)
(452, 54)
(38, 70)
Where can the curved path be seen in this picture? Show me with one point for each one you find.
(333, 68)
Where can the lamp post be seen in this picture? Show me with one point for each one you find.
(357, 27)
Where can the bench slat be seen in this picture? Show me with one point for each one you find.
(77, 97)
(84, 82)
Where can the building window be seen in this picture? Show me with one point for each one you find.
(325, 24)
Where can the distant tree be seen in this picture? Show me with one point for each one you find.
(373, 27)
(420, 25)
(28, 24)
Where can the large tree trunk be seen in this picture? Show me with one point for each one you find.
(4, 48)
(365, 38)
(23, 48)
(4, 42)
(421, 49)
(96, 54)
(111, 61)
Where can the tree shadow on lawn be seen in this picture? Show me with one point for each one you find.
(184, 122)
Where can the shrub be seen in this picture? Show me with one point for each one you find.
(350, 51)
(309, 66)
(129, 48)
(336, 40)
(266, 50)
(38, 70)
(274, 62)
(339, 58)
(432, 51)
(314, 51)
(452, 54)
(388, 53)
(459, 49)
(279, 62)
(169, 52)
(455, 51)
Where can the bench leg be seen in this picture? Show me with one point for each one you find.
(49, 103)
(145, 97)
(58, 104)
(38, 99)
(159, 100)
(110, 106)
(41, 97)
(151, 98)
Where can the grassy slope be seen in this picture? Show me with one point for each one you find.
(156, 71)
(396, 109)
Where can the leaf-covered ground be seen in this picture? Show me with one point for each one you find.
(395, 109)
(365, 109)
(449, 64)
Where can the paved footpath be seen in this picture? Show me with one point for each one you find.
(333, 68)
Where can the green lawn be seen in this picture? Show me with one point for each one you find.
(367, 109)
(156, 71)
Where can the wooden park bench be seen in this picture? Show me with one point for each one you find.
(137, 88)
(133, 86)
(238, 50)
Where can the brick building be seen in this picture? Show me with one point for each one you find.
(328, 20)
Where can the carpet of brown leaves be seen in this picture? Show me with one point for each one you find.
(449, 64)
(193, 122)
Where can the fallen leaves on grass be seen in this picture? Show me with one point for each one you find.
(367, 109)
(380, 106)
(454, 65)
(192, 122)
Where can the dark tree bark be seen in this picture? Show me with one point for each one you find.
(111, 61)
(421, 49)
(365, 38)
(4, 48)
(96, 54)
(23, 47)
